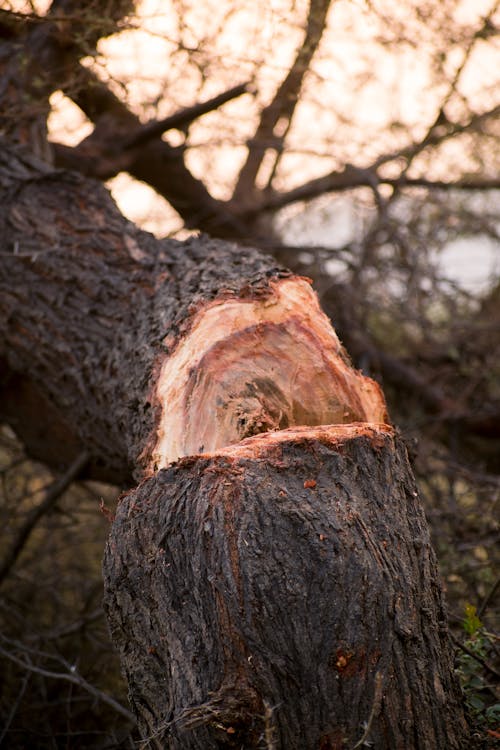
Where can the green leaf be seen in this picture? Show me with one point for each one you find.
(472, 623)
(475, 702)
(492, 713)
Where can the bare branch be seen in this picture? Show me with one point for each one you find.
(282, 107)
(57, 49)
(52, 495)
(72, 676)
(183, 118)
(464, 184)
(157, 163)
(352, 176)
(441, 117)
(489, 598)
(441, 131)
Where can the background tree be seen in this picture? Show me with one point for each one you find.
(257, 147)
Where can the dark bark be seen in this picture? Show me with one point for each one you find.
(279, 592)
(90, 306)
(283, 594)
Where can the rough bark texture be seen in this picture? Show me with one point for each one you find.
(91, 309)
(89, 305)
(283, 594)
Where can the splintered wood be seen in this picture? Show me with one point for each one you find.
(249, 366)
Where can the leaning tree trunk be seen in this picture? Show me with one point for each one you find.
(272, 590)
(146, 351)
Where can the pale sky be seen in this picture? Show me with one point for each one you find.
(184, 51)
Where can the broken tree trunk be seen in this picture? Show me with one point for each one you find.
(150, 350)
(269, 590)
(282, 593)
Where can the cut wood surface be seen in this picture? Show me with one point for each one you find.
(253, 365)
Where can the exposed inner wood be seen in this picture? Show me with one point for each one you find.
(261, 446)
(250, 366)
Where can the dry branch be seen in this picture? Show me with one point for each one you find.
(52, 495)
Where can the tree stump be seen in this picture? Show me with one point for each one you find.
(282, 593)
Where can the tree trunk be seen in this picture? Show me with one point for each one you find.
(282, 593)
(268, 590)
(149, 350)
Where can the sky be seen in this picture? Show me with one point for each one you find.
(182, 51)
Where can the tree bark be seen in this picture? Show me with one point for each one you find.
(270, 583)
(149, 350)
(283, 594)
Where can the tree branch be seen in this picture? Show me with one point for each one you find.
(353, 176)
(488, 598)
(57, 49)
(183, 117)
(350, 177)
(440, 132)
(465, 184)
(72, 676)
(156, 163)
(52, 495)
(282, 107)
(441, 117)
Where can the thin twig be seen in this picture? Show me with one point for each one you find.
(479, 659)
(75, 679)
(489, 596)
(15, 706)
(184, 117)
(52, 495)
(377, 698)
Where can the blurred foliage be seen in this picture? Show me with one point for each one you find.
(478, 678)
(52, 624)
